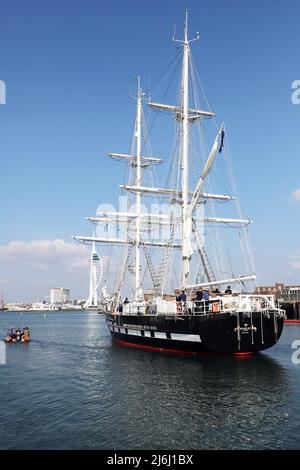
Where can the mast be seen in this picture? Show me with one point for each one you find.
(138, 184)
(184, 156)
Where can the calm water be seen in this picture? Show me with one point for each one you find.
(71, 388)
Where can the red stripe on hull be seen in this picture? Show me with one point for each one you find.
(178, 351)
(291, 321)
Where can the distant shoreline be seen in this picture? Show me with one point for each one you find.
(44, 311)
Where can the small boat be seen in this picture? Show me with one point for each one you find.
(18, 335)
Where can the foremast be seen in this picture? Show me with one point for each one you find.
(137, 161)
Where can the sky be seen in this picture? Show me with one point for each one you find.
(68, 67)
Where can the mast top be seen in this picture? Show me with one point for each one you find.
(139, 86)
(186, 27)
(186, 41)
(140, 94)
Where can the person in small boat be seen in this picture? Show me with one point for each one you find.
(25, 334)
(228, 291)
(14, 335)
(18, 334)
(9, 335)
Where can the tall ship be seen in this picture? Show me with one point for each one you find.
(179, 271)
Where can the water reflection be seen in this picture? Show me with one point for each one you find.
(207, 402)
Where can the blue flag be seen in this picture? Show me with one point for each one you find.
(222, 141)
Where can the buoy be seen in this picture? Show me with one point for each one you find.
(216, 307)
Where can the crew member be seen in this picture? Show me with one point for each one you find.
(181, 297)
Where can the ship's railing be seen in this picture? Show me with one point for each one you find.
(246, 303)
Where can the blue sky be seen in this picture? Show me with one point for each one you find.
(68, 67)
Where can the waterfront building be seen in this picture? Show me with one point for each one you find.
(281, 292)
(59, 295)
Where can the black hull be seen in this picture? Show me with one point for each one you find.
(223, 333)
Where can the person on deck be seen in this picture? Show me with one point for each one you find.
(228, 291)
(205, 295)
(199, 294)
(199, 297)
(181, 303)
(181, 297)
(206, 300)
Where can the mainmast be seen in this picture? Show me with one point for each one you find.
(185, 115)
(184, 157)
(138, 136)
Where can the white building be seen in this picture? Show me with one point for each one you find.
(95, 278)
(59, 295)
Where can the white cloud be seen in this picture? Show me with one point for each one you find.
(32, 268)
(3, 281)
(294, 261)
(42, 253)
(296, 195)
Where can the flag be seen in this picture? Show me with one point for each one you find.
(222, 141)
